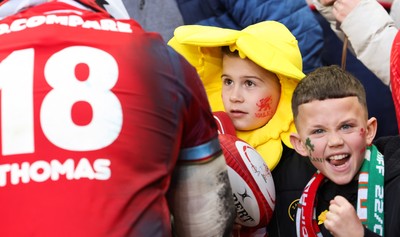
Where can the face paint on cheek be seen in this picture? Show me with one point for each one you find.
(363, 132)
(309, 145)
(310, 149)
(264, 107)
(316, 159)
(362, 152)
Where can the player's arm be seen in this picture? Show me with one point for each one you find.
(201, 197)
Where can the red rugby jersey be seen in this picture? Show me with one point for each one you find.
(94, 115)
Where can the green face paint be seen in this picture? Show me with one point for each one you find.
(317, 159)
(309, 145)
(310, 148)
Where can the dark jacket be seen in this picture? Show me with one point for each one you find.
(237, 14)
(290, 177)
(390, 148)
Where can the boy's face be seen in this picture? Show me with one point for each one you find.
(249, 92)
(334, 134)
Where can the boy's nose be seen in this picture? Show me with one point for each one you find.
(236, 95)
(335, 139)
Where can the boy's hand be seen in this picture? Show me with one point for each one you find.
(342, 219)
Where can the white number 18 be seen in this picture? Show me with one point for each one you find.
(17, 100)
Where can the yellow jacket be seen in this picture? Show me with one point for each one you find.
(269, 44)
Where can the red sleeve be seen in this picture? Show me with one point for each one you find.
(395, 75)
(200, 136)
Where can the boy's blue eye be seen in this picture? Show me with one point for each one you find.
(346, 126)
(317, 131)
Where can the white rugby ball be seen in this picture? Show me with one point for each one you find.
(252, 184)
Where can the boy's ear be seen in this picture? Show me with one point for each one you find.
(298, 145)
(372, 126)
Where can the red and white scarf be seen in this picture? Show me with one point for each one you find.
(369, 197)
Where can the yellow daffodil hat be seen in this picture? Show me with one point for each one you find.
(270, 45)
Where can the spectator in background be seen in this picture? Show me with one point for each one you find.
(370, 32)
(164, 16)
(106, 131)
(368, 27)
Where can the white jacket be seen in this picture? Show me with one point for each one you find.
(370, 31)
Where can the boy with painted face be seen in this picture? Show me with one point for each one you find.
(251, 75)
(355, 190)
(250, 93)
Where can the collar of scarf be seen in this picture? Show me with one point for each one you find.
(369, 197)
